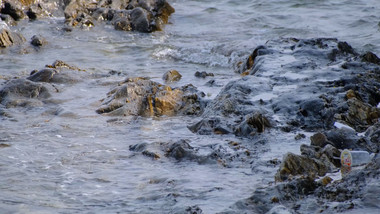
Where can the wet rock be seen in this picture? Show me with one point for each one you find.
(23, 93)
(203, 74)
(58, 72)
(140, 20)
(371, 58)
(143, 16)
(318, 139)
(38, 41)
(172, 76)
(181, 150)
(193, 210)
(13, 8)
(359, 115)
(32, 9)
(9, 38)
(141, 96)
(293, 165)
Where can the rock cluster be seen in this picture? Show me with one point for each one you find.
(126, 15)
(342, 111)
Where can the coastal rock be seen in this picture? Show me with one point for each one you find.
(141, 96)
(9, 38)
(38, 41)
(23, 93)
(203, 74)
(58, 72)
(293, 165)
(32, 9)
(143, 16)
(172, 76)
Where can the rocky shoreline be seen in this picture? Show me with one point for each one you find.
(321, 86)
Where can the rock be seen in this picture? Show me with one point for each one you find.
(203, 74)
(293, 165)
(318, 139)
(181, 150)
(371, 58)
(141, 96)
(142, 16)
(193, 210)
(13, 8)
(360, 115)
(58, 72)
(140, 20)
(8, 38)
(23, 93)
(172, 76)
(38, 41)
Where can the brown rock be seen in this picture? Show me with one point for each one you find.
(172, 76)
(293, 165)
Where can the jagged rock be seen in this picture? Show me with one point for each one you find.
(8, 38)
(293, 165)
(360, 115)
(141, 96)
(172, 76)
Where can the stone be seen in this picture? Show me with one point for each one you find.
(203, 74)
(23, 93)
(38, 41)
(172, 76)
(141, 96)
(293, 165)
(318, 139)
(13, 8)
(143, 16)
(8, 38)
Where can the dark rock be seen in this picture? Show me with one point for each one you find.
(318, 139)
(193, 210)
(140, 96)
(44, 75)
(140, 20)
(172, 76)
(371, 58)
(203, 74)
(58, 72)
(181, 150)
(23, 93)
(123, 24)
(38, 41)
(13, 8)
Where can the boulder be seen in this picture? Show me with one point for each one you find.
(23, 93)
(293, 165)
(38, 41)
(141, 96)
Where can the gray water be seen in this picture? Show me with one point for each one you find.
(81, 163)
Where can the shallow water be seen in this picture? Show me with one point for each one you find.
(80, 161)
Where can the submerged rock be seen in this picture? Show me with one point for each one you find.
(23, 93)
(38, 41)
(141, 96)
